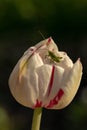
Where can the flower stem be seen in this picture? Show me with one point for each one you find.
(36, 119)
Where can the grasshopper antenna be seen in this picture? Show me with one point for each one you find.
(41, 34)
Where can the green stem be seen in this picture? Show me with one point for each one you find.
(36, 119)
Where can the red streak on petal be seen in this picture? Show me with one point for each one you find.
(38, 103)
(51, 80)
(60, 94)
(56, 99)
(31, 49)
(49, 40)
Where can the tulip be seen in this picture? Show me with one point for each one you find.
(45, 77)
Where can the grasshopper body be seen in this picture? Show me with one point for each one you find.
(53, 57)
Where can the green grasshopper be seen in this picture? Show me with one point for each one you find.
(53, 57)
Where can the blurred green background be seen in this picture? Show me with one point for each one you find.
(20, 23)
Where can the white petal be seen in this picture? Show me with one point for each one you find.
(47, 44)
(23, 81)
(65, 62)
(70, 85)
(57, 79)
(44, 73)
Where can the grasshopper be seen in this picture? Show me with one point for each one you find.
(53, 57)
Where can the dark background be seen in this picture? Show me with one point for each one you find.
(20, 23)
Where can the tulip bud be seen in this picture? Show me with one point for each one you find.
(45, 77)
